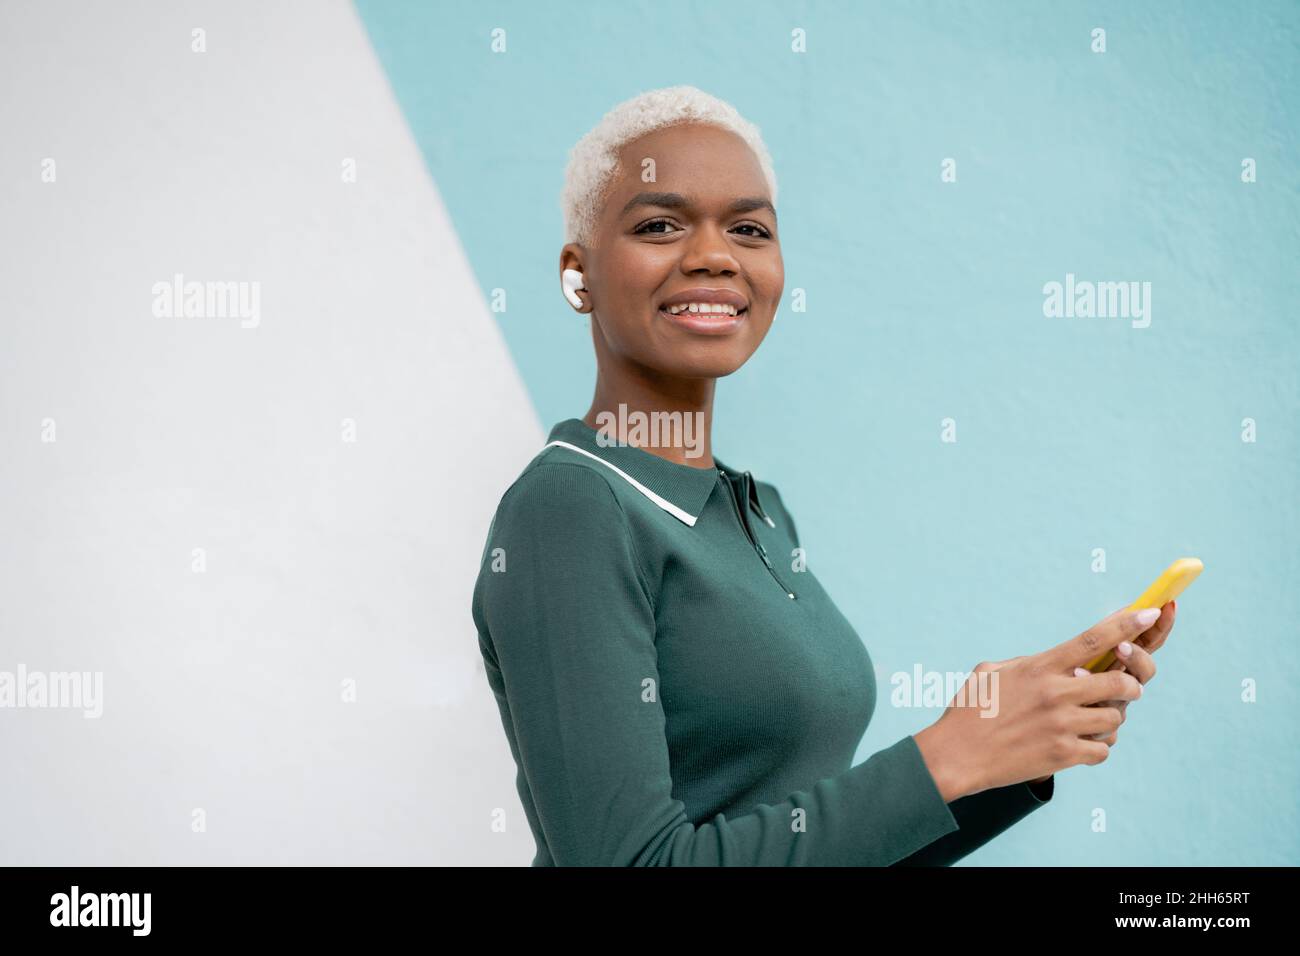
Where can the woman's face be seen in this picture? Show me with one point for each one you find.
(702, 229)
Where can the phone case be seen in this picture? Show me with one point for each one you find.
(1166, 587)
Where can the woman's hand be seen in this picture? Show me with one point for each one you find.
(1137, 660)
(1041, 718)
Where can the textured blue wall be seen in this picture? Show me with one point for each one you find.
(925, 302)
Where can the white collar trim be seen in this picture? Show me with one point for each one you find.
(667, 505)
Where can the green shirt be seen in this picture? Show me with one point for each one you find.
(676, 693)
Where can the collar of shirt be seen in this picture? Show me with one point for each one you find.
(681, 490)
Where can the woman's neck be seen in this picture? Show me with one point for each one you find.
(675, 422)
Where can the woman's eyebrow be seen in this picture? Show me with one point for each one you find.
(678, 201)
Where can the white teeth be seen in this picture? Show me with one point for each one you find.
(705, 307)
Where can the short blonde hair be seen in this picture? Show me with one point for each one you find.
(594, 159)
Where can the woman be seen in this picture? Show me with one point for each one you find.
(677, 689)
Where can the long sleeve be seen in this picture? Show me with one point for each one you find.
(572, 646)
(981, 817)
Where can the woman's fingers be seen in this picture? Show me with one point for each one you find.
(1120, 705)
(1134, 659)
(1132, 655)
(1135, 656)
(1122, 625)
(1158, 633)
(1102, 688)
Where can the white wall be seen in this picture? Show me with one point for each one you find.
(325, 560)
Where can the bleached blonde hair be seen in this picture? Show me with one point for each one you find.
(594, 159)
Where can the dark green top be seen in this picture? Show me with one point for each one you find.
(676, 693)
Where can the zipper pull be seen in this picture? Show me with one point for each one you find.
(752, 486)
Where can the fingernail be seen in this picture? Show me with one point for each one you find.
(1146, 617)
(1081, 672)
(1124, 649)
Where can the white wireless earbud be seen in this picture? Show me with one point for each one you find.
(571, 279)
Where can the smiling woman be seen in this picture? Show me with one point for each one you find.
(676, 686)
(688, 273)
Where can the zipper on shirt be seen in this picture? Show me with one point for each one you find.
(751, 497)
(755, 503)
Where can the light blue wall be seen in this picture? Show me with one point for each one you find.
(925, 302)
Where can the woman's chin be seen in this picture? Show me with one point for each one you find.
(717, 365)
(682, 354)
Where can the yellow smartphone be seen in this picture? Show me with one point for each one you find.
(1166, 587)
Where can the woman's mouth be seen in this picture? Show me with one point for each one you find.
(705, 318)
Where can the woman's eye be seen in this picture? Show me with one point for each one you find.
(645, 227)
